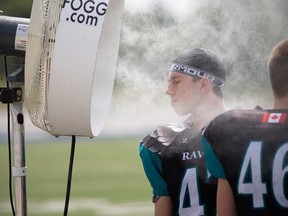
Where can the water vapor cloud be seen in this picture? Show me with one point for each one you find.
(155, 31)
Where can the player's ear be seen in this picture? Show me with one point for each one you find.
(205, 83)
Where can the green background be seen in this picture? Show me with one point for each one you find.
(107, 177)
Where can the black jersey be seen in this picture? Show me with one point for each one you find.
(174, 163)
(250, 149)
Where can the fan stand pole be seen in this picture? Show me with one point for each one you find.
(18, 140)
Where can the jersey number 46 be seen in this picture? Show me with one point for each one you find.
(256, 187)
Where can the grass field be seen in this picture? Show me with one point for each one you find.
(108, 178)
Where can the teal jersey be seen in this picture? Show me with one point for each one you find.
(174, 163)
(250, 150)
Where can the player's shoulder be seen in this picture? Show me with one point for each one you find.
(238, 117)
(164, 135)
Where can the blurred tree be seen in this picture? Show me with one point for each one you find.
(16, 8)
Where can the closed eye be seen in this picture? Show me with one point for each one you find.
(174, 80)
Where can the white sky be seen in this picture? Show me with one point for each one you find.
(178, 7)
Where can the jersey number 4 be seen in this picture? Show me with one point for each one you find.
(256, 187)
(189, 203)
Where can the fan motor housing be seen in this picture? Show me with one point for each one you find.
(13, 35)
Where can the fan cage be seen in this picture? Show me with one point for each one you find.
(44, 20)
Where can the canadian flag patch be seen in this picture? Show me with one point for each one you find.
(274, 117)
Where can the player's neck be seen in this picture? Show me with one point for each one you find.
(280, 103)
(206, 113)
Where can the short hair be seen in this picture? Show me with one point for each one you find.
(278, 69)
(217, 91)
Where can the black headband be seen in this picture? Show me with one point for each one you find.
(198, 73)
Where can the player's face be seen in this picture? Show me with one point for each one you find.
(183, 91)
